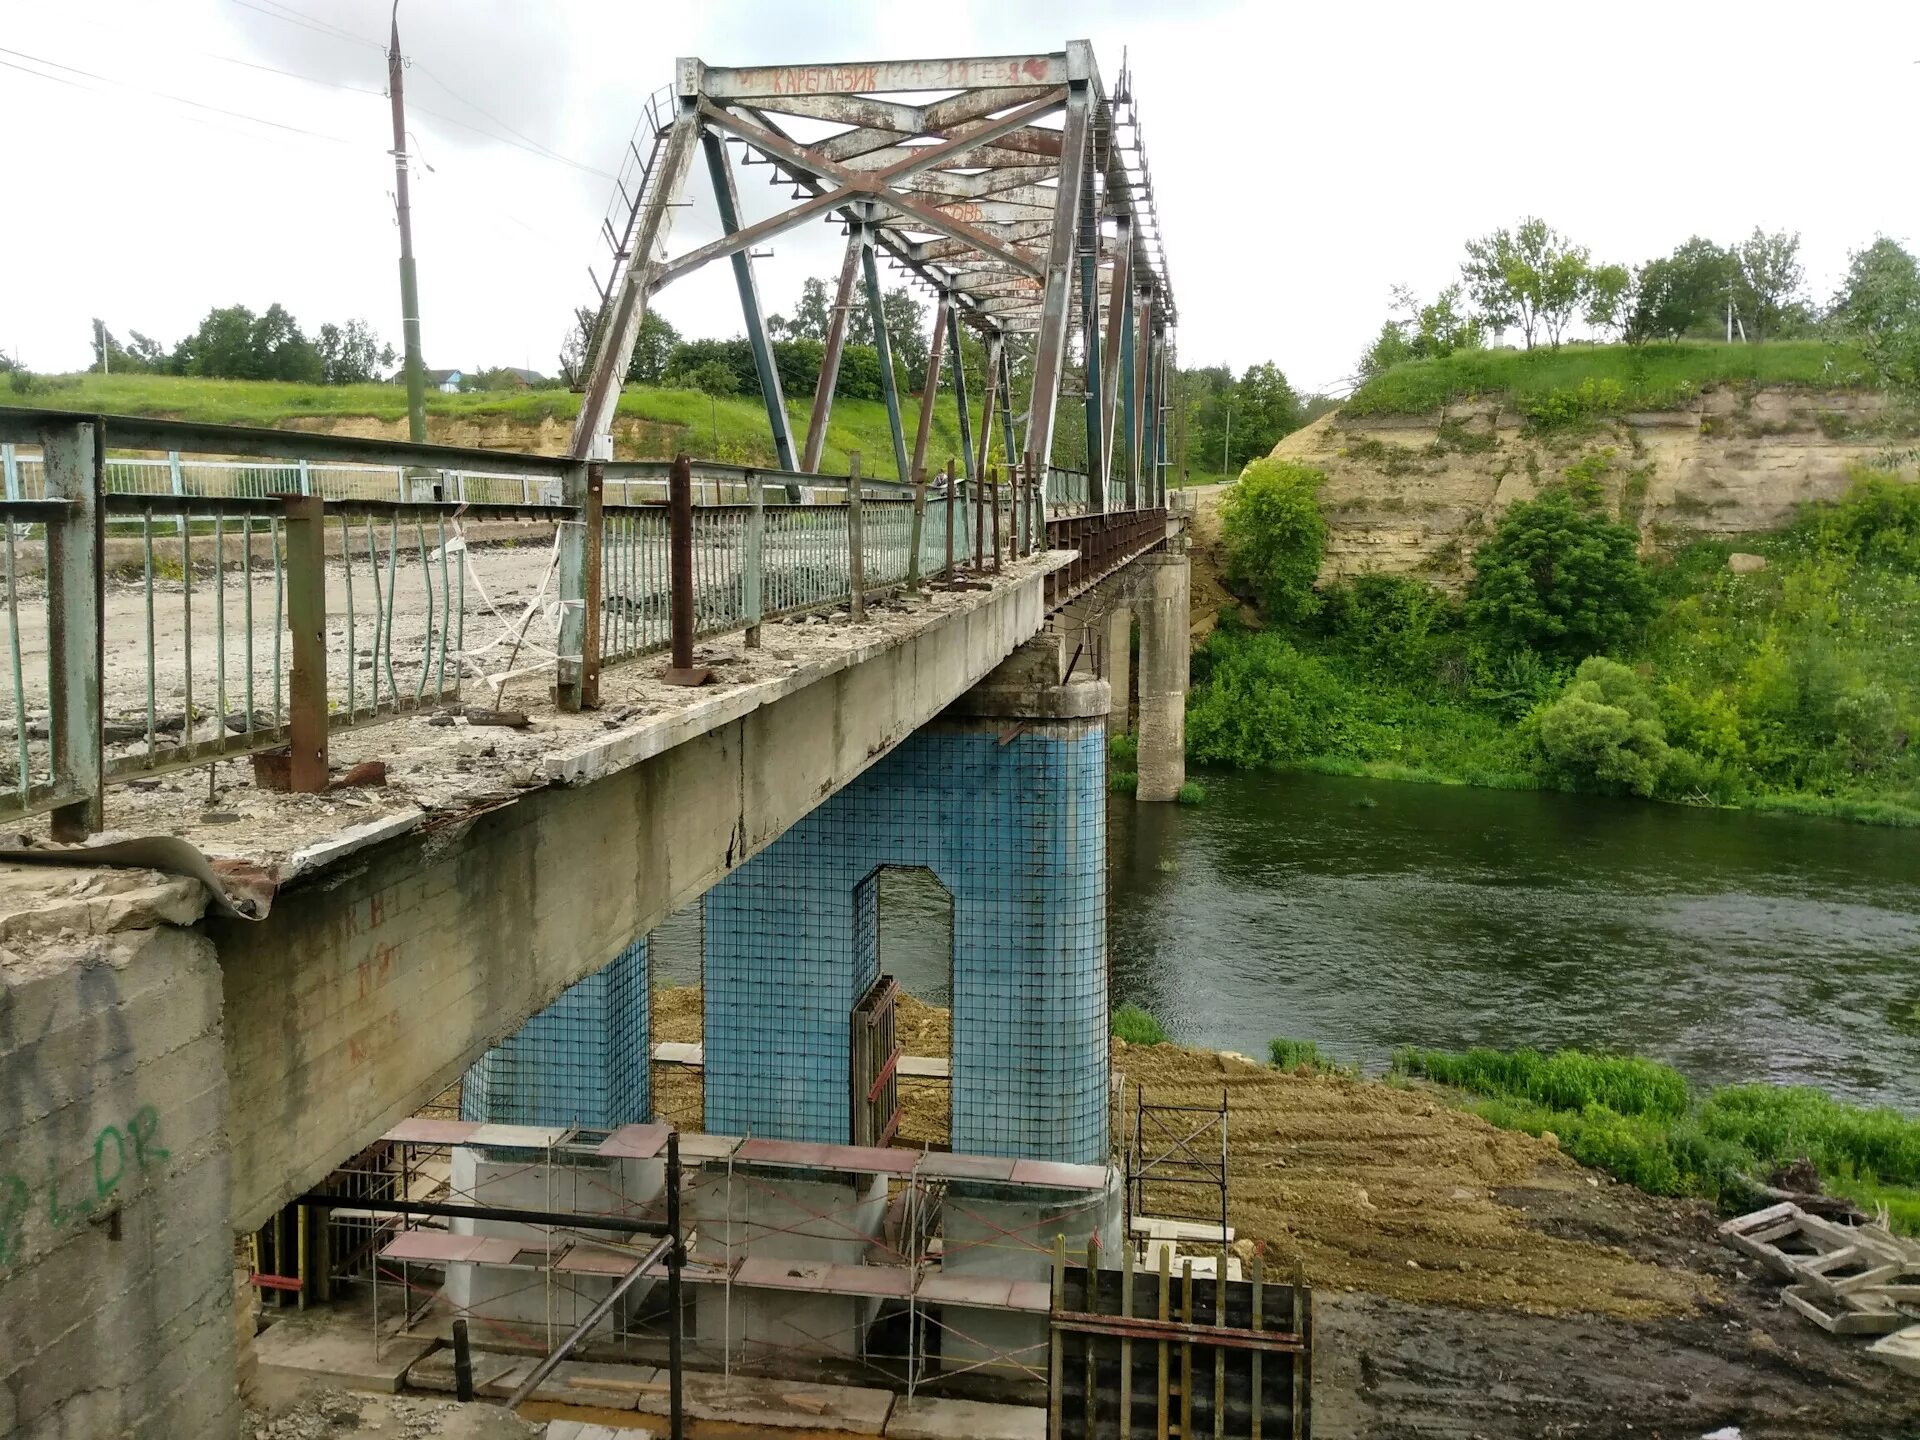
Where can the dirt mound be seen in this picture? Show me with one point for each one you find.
(1362, 1185)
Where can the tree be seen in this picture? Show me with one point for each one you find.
(1771, 276)
(1878, 306)
(652, 350)
(1609, 297)
(1604, 732)
(905, 318)
(1421, 332)
(1276, 536)
(351, 354)
(810, 317)
(1265, 408)
(1560, 578)
(713, 379)
(1530, 277)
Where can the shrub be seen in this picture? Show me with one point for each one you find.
(1286, 1054)
(1564, 1080)
(1559, 577)
(1392, 621)
(1192, 793)
(1604, 733)
(1135, 1026)
(1275, 535)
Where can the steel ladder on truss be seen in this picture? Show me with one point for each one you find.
(632, 190)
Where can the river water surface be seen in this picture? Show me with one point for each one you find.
(1369, 914)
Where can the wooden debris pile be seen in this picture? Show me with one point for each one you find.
(1847, 1279)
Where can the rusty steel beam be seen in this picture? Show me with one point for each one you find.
(306, 584)
(931, 387)
(1051, 354)
(886, 77)
(830, 356)
(1120, 294)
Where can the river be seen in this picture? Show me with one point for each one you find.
(1369, 914)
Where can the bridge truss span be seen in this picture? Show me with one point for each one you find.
(1015, 189)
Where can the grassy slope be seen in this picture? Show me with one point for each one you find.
(690, 422)
(1640, 1121)
(1651, 377)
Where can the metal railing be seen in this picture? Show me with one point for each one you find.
(151, 629)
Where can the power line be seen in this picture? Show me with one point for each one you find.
(550, 153)
(308, 22)
(160, 95)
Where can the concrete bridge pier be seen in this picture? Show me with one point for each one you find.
(1119, 656)
(1164, 655)
(1003, 799)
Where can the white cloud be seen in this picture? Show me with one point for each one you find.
(1307, 157)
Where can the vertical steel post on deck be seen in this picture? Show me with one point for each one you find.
(73, 460)
(856, 546)
(948, 576)
(916, 528)
(577, 667)
(676, 1260)
(306, 572)
(728, 199)
(680, 618)
(754, 561)
(991, 376)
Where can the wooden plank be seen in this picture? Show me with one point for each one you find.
(1259, 1398)
(1055, 1373)
(1186, 1351)
(1300, 1360)
(1126, 1346)
(1093, 1301)
(1166, 1292)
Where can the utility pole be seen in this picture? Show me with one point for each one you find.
(409, 288)
(1226, 445)
(100, 338)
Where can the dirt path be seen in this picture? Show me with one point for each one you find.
(1470, 1281)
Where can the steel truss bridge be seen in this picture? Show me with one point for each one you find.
(1014, 188)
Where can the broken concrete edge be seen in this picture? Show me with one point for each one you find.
(657, 733)
(236, 888)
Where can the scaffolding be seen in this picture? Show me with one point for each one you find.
(1175, 1145)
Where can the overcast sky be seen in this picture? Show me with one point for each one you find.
(1307, 156)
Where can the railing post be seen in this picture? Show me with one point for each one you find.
(948, 576)
(753, 563)
(856, 557)
(916, 527)
(577, 668)
(306, 479)
(681, 670)
(307, 620)
(11, 465)
(73, 458)
(979, 528)
(993, 487)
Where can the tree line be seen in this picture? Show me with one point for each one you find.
(233, 343)
(1538, 282)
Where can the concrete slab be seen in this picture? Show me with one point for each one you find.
(434, 1371)
(338, 1354)
(611, 1387)
(778, 1404)
(930, 1419)
(1900, 1350)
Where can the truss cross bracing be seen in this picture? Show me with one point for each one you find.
(1014, 188)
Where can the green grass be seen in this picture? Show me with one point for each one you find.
(1192, 793)
(734, 429)
(1288, 1054)
(1650, 377)
(1135, 1026)
(1640, 1121)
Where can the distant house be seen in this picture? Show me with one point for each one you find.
(529, 379)
(447, 382)
(452, 382)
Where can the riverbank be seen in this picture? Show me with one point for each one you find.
(1459, 1268)
(1775, 673)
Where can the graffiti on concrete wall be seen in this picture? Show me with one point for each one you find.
(121, 1155)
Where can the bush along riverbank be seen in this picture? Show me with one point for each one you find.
(1640, 1121)
(1779, 672)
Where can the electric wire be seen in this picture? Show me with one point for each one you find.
(305, 21)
